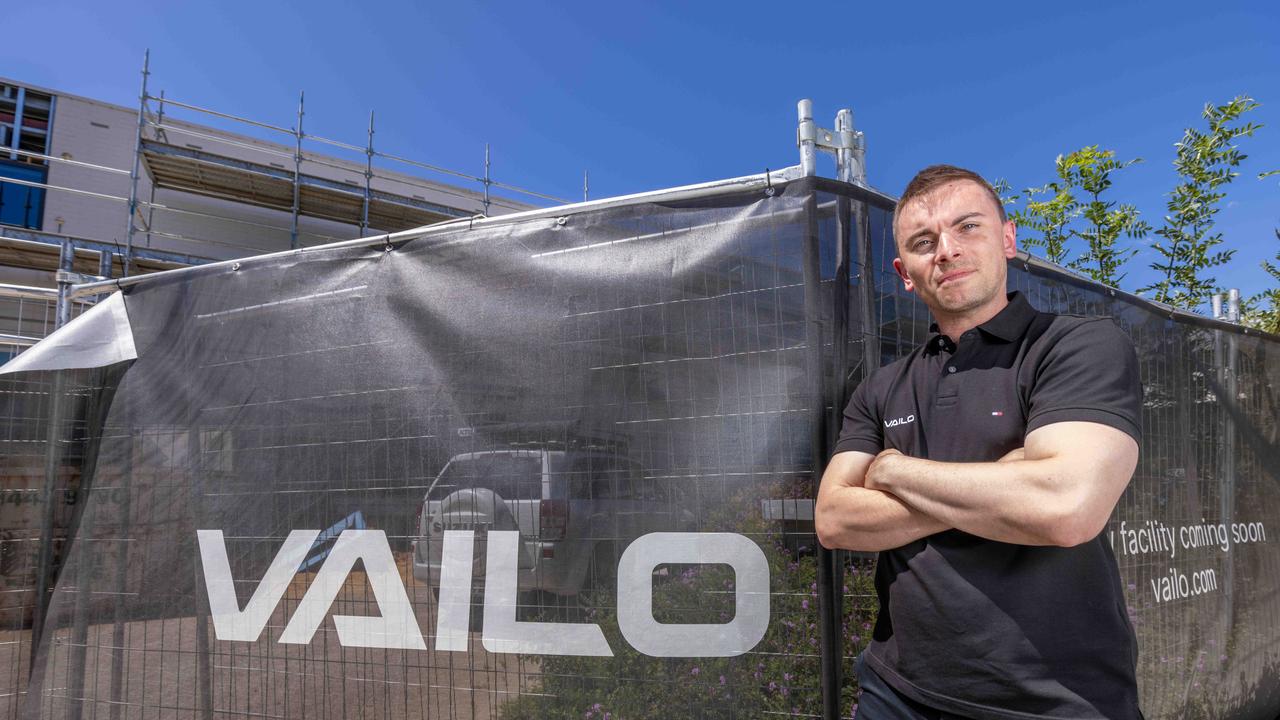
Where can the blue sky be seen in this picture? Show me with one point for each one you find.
(650, 95)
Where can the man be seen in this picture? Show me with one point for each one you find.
(984, 467)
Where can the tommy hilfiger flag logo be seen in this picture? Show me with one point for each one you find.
(997, 413)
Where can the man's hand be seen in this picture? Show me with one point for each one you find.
(849, 515)
(880, 473)
(1014, 455)
(887, 465)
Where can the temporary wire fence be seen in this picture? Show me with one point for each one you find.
(541, 467)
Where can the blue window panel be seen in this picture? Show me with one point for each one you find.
(22, 205)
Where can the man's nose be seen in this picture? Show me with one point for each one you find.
(948, 247)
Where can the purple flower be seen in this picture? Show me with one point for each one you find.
(721, 679)
(804, 604)
(695, 671)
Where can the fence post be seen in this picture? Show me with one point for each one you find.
(66, 264)
(806, 137)
(1227, 484)
(44, 558)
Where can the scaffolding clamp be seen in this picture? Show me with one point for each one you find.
(845, 143)
(831, 141)
(75, 278)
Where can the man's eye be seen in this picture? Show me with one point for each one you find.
(922, 244)
(968, 226)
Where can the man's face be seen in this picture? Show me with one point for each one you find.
(952, 249)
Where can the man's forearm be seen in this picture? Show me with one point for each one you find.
(1055, 500)
(851, 517)
(847, 515)
(1015, 502)
(1060, 489)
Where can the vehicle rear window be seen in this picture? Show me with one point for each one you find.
(509, 476)
(600, 477)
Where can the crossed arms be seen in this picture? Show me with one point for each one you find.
(1059, 490)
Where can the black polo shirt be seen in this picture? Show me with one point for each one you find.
(988, 629)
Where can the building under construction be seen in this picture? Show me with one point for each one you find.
(93, 188)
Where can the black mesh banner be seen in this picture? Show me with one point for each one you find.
(555, 467)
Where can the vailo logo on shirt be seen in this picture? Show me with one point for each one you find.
(899, 421)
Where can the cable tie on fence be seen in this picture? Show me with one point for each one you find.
(768, 181)
(386, 243)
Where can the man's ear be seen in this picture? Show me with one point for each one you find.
(1010, 239)
(902, 273)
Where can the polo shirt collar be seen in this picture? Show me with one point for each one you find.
(1008, 325)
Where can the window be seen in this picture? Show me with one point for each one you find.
(510, 476)
(21, 205)
(603, 477)
(25, 120)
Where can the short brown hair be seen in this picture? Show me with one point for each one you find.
(936, 175)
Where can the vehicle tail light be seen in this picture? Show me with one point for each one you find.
(553, 519)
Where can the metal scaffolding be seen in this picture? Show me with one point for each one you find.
(285, 177)
(175, 166)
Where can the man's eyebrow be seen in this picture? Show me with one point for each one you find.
(915, 235)
(966, 216)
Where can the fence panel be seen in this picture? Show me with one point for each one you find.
(565, 466)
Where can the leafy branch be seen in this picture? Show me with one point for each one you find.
(1090, 169)
(1205, 160)
(1053, 212)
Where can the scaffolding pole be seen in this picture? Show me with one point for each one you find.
(137, 163)
(487, 180)
(297, 170)
(368, 178)
(151, 194)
